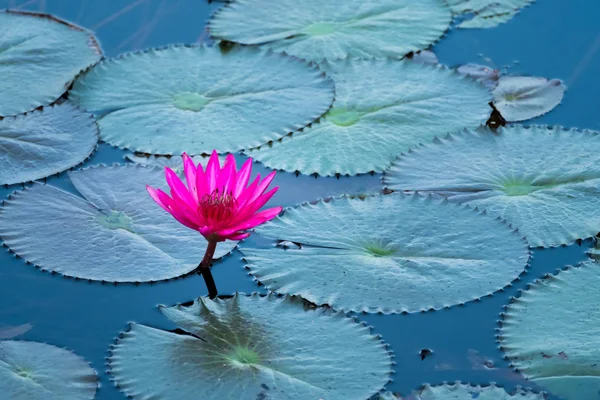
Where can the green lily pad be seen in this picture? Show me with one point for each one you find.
(251, 347)
(196, 99)
(39, 371)
(551, 198)
(524, 97)
(461, 391)
(487, 13)
(43, 143)
(40, 55)
(315, 30)
(388, 253)
(382, 108)
(550, 332)
(115, 233)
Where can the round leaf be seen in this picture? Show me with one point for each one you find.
(196, 99)
(524, 97)
(40, 55)
(39, 371)
(315, 30)
(543, 181)
(117, 233)
(382, 108)
(388, 253)
(248, 348)
(43, 143)
(550, 332)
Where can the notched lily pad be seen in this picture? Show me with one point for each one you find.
(196, 99)
(550, 332)
(551, 198)
(315, 30)
(388, 253)
(175, 162)
(39, 371)
(486, 13)
(461, 391)
(42, 143)
(382, 108)
(248, 348)
(524, 97)
(114, 233)
(40, 55)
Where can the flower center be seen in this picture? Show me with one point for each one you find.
(217, 206)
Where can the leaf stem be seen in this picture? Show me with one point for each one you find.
(204, 269)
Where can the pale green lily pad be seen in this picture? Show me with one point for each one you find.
(40, 55)
(115, 233)
(196, 99)
(382, 108)
(524, 97)
(550, 332)
(251, 347)
(315, 30)
(39, 371)
(388, 253)
(543, 181)
(43, 143)
(461, 391)
(487, 13)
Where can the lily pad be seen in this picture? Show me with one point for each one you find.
(382, 108)
(40, 55)
(39, 371)
(315, 30)
(175, 163)
(487, 13)
(388, 253)
(112, 234)
(482, 73)
(550, 332)
(461, 391)
(524, 97)
(551, 198)
(196, 99)
(43, 143)
(251, 347)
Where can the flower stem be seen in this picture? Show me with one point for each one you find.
(204, 269)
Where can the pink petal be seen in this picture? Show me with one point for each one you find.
(182, 218)
(201, 186)
(260, 188)
(239, 236)
(189, 170)
(228, 175)
(249, 209)
(242, 199)
(160, 197)
(243, 176)
(178, 189)
(255, 220)
(212, 172)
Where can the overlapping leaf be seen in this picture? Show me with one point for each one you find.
(524, 97)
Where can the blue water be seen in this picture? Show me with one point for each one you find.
(552, 38)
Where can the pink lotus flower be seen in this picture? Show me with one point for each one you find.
(217, 202)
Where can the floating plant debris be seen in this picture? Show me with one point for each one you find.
(315, 30)
(196, 99)
(40, 55)
(388, 253)
(32, 370)
(42, 143)
(551, 198)
(113, 234)
(382, 108)
(248, 348)
(486, 13)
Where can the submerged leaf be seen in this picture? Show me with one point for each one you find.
(523, 97)
(43, 143)
(40, 55)
(543, 181)
(39, 371)
(388, 253)
(115, 234)
(382, 108)
(175, 162)
(550, 332)
(482, 73)
(315, 30)
(249, 348)
(9, 332)
(487, 13)
(196, 99)
(461, 391)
